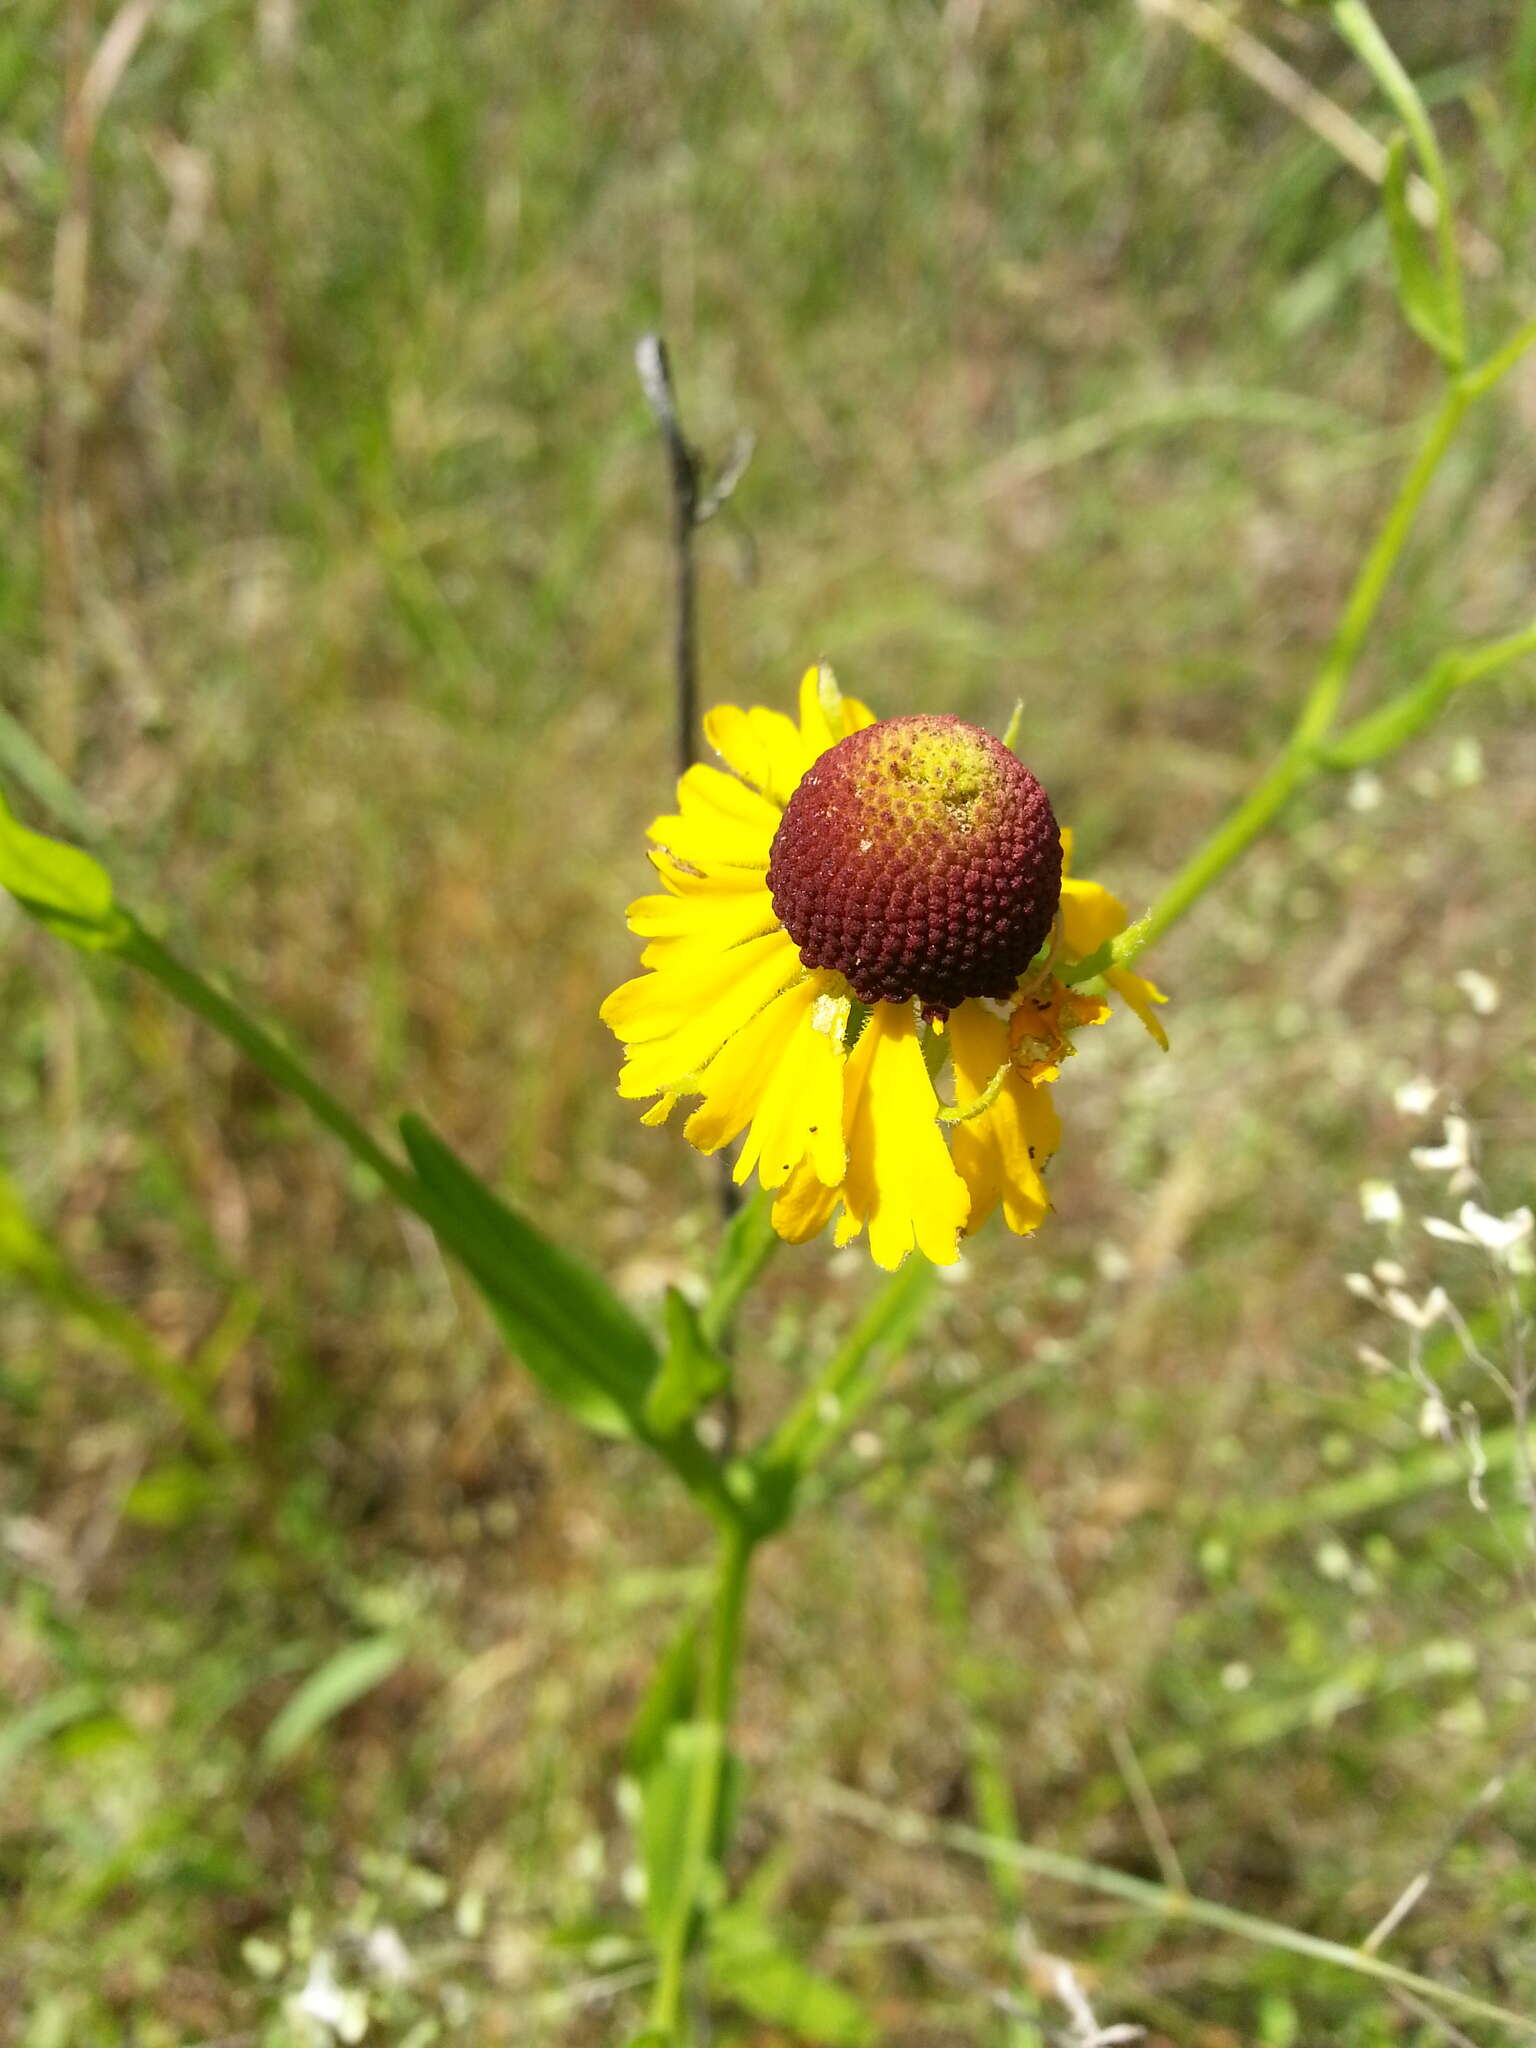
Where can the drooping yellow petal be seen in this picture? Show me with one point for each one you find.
(1000, 1151)
(901, 1181)
(801, 1116)
(1139, 994)
(785, 1078)
(1091, 915)
(803, 1207)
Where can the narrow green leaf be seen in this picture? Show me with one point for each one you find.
(750, 1965)
(666, 1700)
(692, 1371)
(1421, 289)
(64, 889)
(675, 1831)
(328, 1691)
(571, 1331)
(653, 2037)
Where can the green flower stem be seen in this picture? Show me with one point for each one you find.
(1370, 585)
(851, 1377)
(715, 1704)
(1307, 753)
(1357, 25)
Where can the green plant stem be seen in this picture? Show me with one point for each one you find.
(1306, 753)
(1370, 585)
(851, 1377)
(715, 1704)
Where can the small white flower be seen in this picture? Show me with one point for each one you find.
(1417, 1315)
(1415, 1097)
(328, 2006)
(1453, 1155)
(1361, 1286)
(388, 1957)
(1434, 1417)
(1389, 1273)
(1495, 1234)
(1372, 1359)
(1480, 990)
(1380, 1202)
(1448, 1233)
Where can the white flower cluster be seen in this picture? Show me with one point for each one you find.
(1501, 1325)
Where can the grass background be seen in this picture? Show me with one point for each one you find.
(336, 580)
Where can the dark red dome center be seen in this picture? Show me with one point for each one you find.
(918, 858)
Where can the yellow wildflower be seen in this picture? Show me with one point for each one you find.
(860, 915)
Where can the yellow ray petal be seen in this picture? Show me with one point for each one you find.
(816, 728)
(785, 1078)
(709, 792)
(719, 918)
(692, 881)
(703, 1003)
(1139, 994)
(826, 715)
(901, 1182)
(1000, 1151)
(719, 822)
(1089, 916)
(801, 1115)
(764, 747)
(803, 1207)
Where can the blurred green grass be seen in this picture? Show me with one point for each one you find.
(1075, 378)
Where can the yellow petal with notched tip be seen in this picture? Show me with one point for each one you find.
(674, 1024)
(803, 1207)
(681, 930)
(764, 747)
(785, 1078)
(719, 822)
(999, 1152)
(682, 880)
(901, 1182)
(1139, 994)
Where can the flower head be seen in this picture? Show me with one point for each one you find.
(863, 961)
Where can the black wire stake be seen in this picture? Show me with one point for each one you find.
(692, 507)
